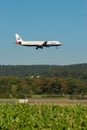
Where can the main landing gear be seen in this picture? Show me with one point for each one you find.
(41, 47)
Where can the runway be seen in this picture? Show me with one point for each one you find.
(45, 100)
(57, 101)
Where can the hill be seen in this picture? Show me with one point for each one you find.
(77, 70)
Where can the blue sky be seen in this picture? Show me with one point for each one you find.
(62, 20)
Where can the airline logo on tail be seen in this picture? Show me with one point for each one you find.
(18, 39)
(37, 44)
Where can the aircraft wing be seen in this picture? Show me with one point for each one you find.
(44, 43)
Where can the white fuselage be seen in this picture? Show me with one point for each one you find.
(32, 43)
(40, 43)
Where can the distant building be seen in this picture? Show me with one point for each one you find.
(32, 77)
(38, 77)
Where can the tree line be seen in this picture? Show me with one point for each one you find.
(78, 71)
(25, 87)
(23, 81)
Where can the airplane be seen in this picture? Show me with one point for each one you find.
(37, 44)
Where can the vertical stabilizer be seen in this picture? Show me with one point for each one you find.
(18, 39)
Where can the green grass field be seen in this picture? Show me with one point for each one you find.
(42, 117)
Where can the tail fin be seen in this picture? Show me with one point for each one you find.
(18, 39)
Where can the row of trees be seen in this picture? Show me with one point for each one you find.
(16, 87)
(78, 71)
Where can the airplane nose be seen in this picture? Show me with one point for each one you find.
(60, 43)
